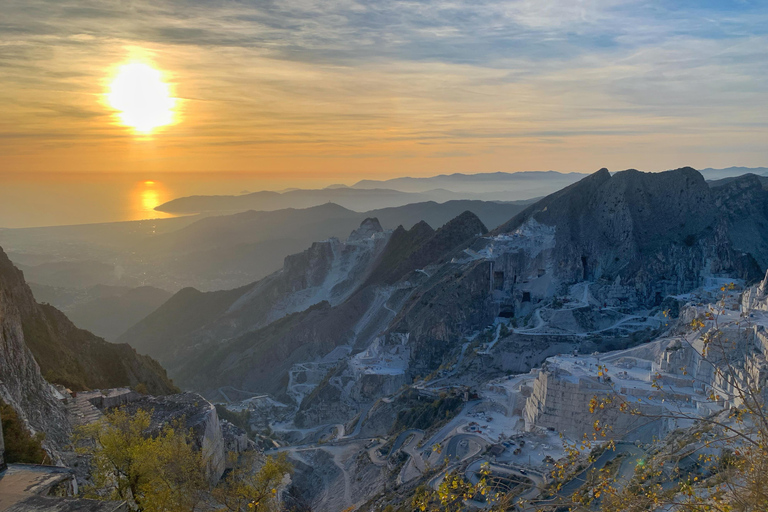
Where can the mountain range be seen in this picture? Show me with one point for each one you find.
(535, 183)
(210, 252)
(419, 337)
(411, 295)
(372, 194)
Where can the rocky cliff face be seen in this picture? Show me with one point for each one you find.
(651, 234)
(38, 345)
(21, 384)
(333, 295)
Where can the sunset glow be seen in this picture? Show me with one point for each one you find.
(143, 100)
(299, 91)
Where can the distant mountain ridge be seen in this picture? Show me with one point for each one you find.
(513, 182)
(370, 194)
(350, 198)
(209, 253)
(731, 172)
(374, 194)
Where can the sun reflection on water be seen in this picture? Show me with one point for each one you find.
(145, 197)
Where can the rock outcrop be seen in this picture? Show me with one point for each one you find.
(561, 401)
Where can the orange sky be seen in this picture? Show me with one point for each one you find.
(349, 90)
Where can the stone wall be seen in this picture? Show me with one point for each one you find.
(561, 402)
(109, 398)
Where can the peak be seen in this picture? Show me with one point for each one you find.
(8, 270)
(329, 206)
(368, 228)
(466, 221)
(421, 227)
(687, 173)
(399, 230)
(371, 222)
(596, 178)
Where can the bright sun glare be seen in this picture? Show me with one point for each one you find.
(143, 100)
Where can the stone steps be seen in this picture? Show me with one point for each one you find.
(82, 412)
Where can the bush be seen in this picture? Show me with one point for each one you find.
(20, 445)
(240, 419)
(424, 415)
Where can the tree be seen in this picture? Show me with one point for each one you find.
(454, 492)
(155, 473)
(162, 471)
(248, 489)
(20, 445)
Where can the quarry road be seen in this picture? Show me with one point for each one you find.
(415, 465)
(373, 452)
(451, 454)
(455, 446)
(403, 436)
(436, 480)
(540, 324)
(226, 397)
(493, 342)
(363, 416)
(315, 446)
(513, 474)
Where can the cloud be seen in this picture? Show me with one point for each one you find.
(351, 75)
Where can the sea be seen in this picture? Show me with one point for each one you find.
(55, 199)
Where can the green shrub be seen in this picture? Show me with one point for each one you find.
(20, 445)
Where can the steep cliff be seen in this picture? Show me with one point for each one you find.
(659, 233)
(67, 355)
(22, 386)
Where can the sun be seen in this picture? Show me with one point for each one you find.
(141, 97)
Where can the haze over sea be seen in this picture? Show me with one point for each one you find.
(54, 199)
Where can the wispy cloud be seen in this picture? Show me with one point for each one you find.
(501, 79)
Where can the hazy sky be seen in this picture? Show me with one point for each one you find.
(341, 90)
